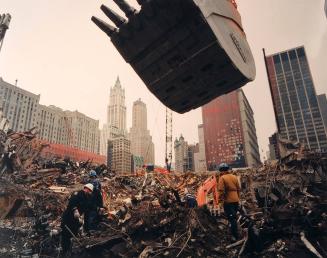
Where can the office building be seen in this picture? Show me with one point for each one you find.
(115, 125)
(119, 150)
(139, 135)
(294, 99)
(19, 106)
(229, 132)
(200, 164)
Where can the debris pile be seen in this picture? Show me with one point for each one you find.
(288, 200)
(283, 214)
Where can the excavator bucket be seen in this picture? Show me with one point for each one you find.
(187, 52)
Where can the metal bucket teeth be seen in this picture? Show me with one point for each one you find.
(187, 52)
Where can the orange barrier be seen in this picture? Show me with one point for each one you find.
(66, 151)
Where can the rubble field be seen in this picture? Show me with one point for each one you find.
(284, 209)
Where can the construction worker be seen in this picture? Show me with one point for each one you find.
(8, 160)
(71, 220)
(189, 199)
(229, 196)
(96, 204)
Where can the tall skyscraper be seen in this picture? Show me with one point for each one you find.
(229, 132)
(183, 155)
(200, 164)
(294, 98)
(116, 117)
(116, 113)
(139, 135)
(322, 100)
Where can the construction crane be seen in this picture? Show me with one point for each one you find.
(169, 139)
(4, 25)
(187, 52)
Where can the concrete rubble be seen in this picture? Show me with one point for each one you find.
(284, 209)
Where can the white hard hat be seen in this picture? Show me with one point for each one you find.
(89, 186)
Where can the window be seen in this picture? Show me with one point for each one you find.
(292, 54)
(284, 57)
(300, 52)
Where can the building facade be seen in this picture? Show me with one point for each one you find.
(273, 147)
(251, 147)
(322, 100)
(200, 164)
(19, 106)
(116, 117)
(70, 128)
(229, 132)
(294, 98)
(181, 154)
(139, 135)
(191, 150)
(4, 122)
(137, 163)
(119, 155)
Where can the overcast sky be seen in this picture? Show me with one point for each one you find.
(53, 49)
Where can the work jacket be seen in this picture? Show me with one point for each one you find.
(78, 200)
(96, 197)
(228, 188)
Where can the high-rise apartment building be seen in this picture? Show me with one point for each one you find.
(19, 106)
(294, 98)
(139, 135)
(322, 100)
(229, 132)
(119, 155)
(116, 117)
(200, 164)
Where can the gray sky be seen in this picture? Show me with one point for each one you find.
(53, 49)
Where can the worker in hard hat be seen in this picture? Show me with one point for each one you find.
(72, 220)
(229, 196)
(96, 205)
(189, 199)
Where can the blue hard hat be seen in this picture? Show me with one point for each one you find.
(223, 167)
(93, 173)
